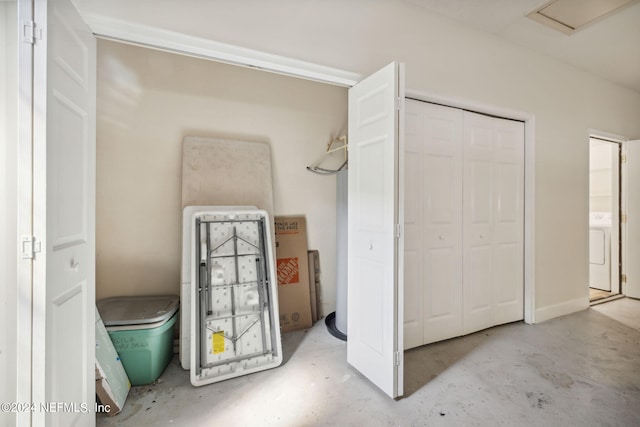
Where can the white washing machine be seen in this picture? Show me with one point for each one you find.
(600, 250)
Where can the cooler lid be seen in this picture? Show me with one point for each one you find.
(117, 311)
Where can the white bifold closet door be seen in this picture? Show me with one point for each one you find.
(433, 223)
(464, 185)
(493, 224)
(64, 151)
(374, 299)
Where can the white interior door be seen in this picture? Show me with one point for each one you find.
(604, 214)
(632, 225)
(64, 214)
(615, 220)
(433, 223)
(375, 300)
(493, 267)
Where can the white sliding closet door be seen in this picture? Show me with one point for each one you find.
(493, 221)
(433, 223)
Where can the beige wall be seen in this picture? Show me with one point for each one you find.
(446, 58)
(147, 102)
(8, 205)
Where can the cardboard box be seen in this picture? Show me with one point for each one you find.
(293, 273)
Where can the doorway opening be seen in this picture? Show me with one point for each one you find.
(604, 219)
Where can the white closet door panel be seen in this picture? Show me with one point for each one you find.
(441, 192)
(413, 166)
(506, 273)
(443, 247)
(509, 138)
(478, 289)
(442, 301)
(413, 307)
(375, 324)
(508, 193)
(443, 221)
(413, 190)
(508, 226)
(478, 189)
(508, 284)
(478, 135)
(508, 221)
(64, 213)
(433, 222)
(493, 225)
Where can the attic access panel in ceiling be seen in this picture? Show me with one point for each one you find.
(569, 16)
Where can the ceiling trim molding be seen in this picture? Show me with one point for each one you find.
(170, 41)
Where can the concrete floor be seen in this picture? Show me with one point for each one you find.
(578, 370)
(625, 310)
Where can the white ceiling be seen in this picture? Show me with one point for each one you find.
(609, 48)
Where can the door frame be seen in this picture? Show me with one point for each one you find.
(24, 309)
(620, 141)
(529, 181)
(623, 256)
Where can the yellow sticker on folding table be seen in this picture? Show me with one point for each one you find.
(217, 341)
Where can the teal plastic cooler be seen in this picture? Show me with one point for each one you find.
(141, 329)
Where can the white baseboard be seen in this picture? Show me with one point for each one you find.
(566, 307)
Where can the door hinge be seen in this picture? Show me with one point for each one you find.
(623, 218)
(30, 247)
(397, 358)
(623, 278)
(31, 32)
(397, 231)
(398, 103)
(623, 158)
